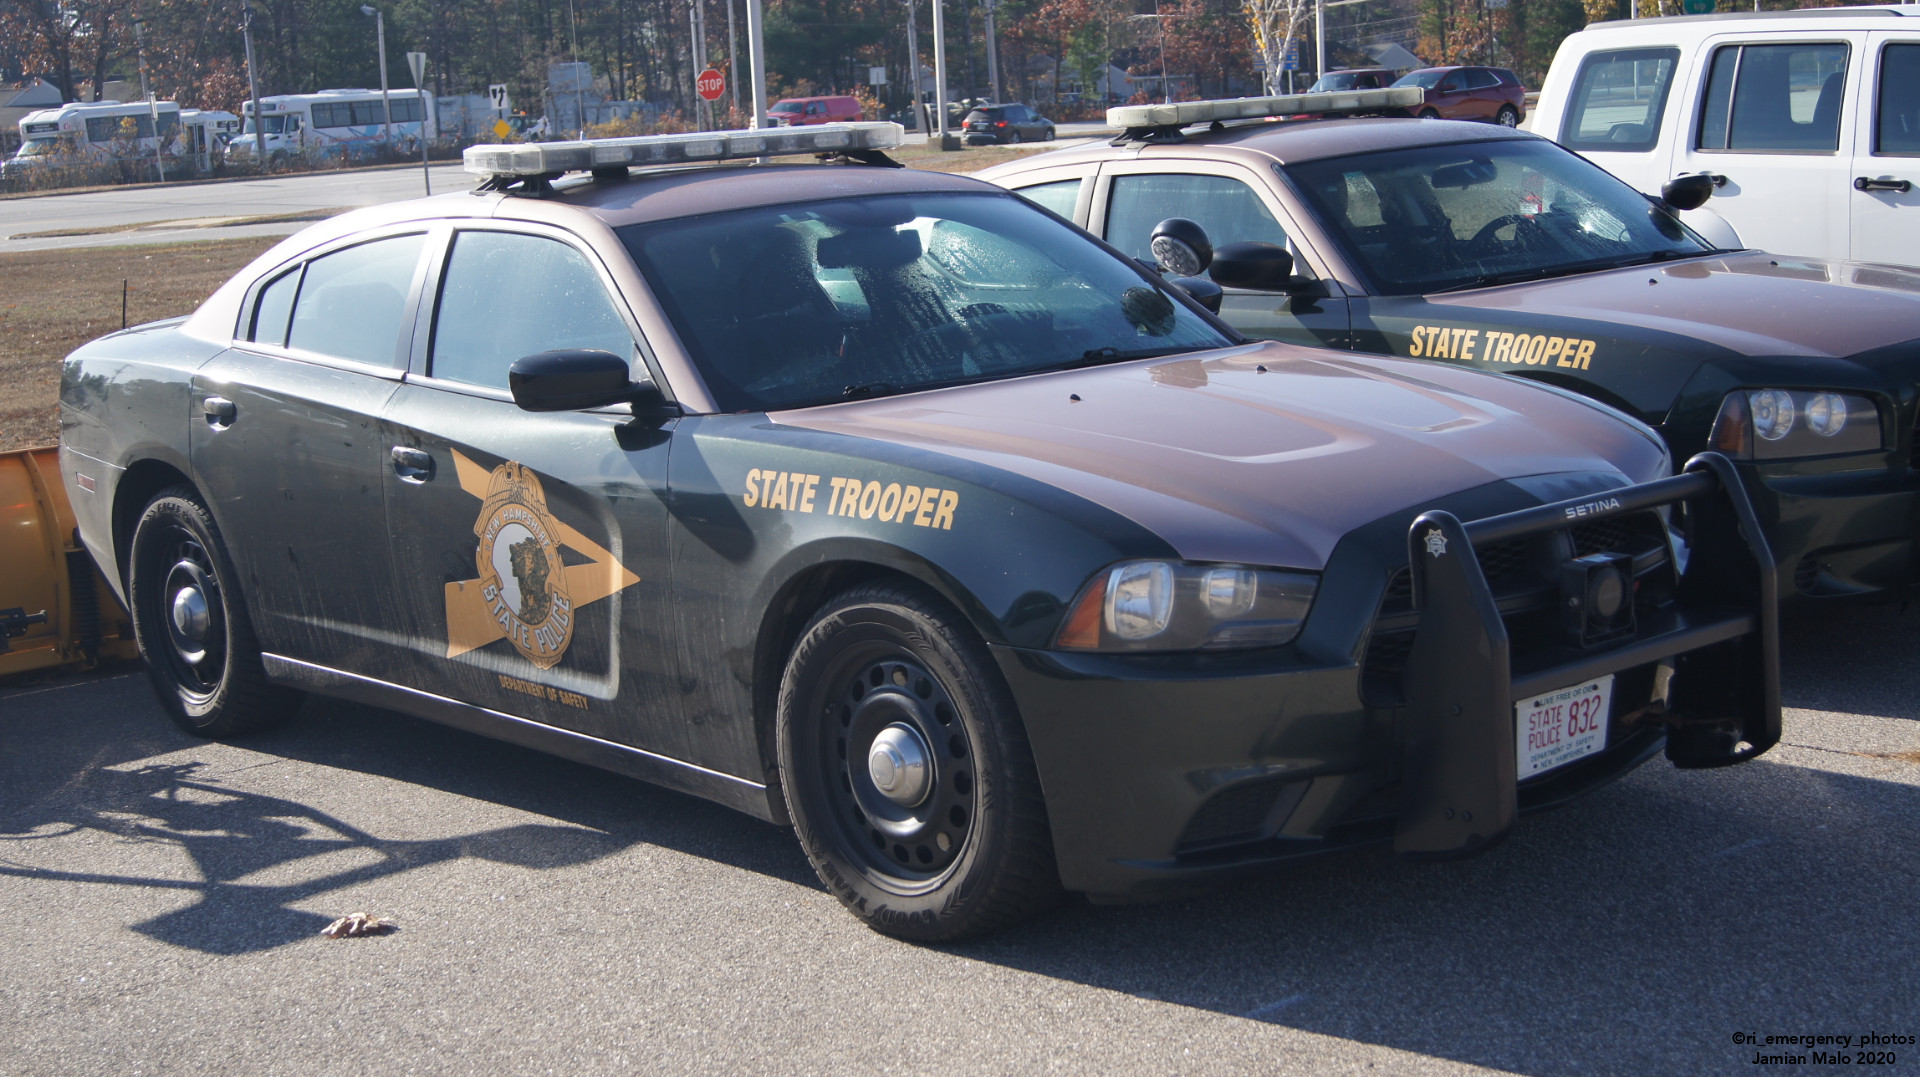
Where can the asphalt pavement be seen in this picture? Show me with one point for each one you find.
(161, 898)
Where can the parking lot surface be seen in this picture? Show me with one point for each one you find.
(164, 895)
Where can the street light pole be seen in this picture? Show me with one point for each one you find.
(253, 92)
(993, 56)
(757, 57)
(940, 74)
(380, 29)
(913, 66)
(153, 110)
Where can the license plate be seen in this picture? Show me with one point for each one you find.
(1561, 726)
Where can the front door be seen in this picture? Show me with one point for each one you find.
(1771, 117)
(1225, 201)
(1886, 154)
(529, 550)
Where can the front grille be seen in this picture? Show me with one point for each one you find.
(1523, 575)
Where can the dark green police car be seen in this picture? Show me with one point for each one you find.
(886, 505)
(1499, 250)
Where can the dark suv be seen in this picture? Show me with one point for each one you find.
(1007, 123)
(1493, 94)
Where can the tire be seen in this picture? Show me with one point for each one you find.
(1507, 117)
(961, 847)
(1429, 114)
(192, 627)
(1048, 137)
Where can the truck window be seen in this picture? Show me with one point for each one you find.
(1897, 133)
(1228, 209)
(1617, 101)
(1774, 98)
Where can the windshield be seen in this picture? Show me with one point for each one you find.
(38, 147)
(1346, 80)
(274, 124)
(789, 106)
(1436, 218)
(785, 306)
(1426, 80)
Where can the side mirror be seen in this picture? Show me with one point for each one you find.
(1687, 192)
(573, 380)
(1259, 267)
(1181, 247)
(1204, 291)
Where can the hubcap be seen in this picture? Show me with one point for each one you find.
(189, 617)
(190, 614)
(898, 764)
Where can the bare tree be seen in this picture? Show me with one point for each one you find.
(1274, 23)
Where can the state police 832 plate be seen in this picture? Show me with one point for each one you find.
(1561, 726)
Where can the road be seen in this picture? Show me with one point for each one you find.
(177, 213)
(162, 897)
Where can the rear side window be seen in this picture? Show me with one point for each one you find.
(1228, 209)
(1480, 78)
(275, 307)
(1897, 133)
(352, 300)
(1774, 98)
(1617, 101)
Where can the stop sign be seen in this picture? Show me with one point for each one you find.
(711, 84)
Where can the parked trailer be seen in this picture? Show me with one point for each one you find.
(55, 608)
(334, 123)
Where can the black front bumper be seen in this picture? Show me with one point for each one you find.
(1163, 773)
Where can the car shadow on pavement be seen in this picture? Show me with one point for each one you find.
(116, 769)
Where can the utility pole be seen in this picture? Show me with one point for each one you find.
(947, 141)
(153, 110)
(579, 91)
(913, 66)
(733, 61)
(380, 29)
(253, 92)
(757, 56)
(993, 57)
(1319, 39)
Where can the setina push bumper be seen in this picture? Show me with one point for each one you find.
(1402, 712)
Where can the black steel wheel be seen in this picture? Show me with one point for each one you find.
(192, 627)
(907, 772)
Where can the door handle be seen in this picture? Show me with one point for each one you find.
(412, 465)
(1884, 183)
(1718, 179)
(219, 412)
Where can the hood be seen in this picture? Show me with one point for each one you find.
(1750, 303)
(1228, 462)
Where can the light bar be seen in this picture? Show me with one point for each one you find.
(1187, 113)
(547, 158)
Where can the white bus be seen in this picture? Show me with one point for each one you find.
(103, 134)
(335, 122)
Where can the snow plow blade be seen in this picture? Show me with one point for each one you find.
(55, 608)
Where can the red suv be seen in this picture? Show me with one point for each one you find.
(1493, 94)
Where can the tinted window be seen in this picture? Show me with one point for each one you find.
(1480, 78)
(1423, 79)
(1228, 209)
(790, 305)
(351, 301)
(1898, 126)
(1774, 98)
(1453, 83)
(507, 295)
(1437, 218)
(276, 303)
(1618, 99)
(1058, 197)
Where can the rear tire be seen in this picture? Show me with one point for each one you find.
(1507, 116)
(1429, 114)
(192, 626)
(889, 685)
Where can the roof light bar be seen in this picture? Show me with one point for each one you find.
(1187, 113)
(550, 158)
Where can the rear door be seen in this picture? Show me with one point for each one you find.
(529, 550)
(285, 444)
(1769, 114)
(1234, 204)
(1885, 188)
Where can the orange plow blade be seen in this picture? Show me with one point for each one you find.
(55, 608)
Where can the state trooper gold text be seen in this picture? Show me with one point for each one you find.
(798, 491)
(1497, 346)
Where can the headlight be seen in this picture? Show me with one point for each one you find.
(1173, 606)
(1778, 424)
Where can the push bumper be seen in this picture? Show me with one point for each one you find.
(1140, 757)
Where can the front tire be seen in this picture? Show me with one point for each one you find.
(907, 771)
(191, 624)
(1429, 114)
(1049, 135)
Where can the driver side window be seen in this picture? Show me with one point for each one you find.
(505, 295)
(1230, 210)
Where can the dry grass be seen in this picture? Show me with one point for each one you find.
(51, 302)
